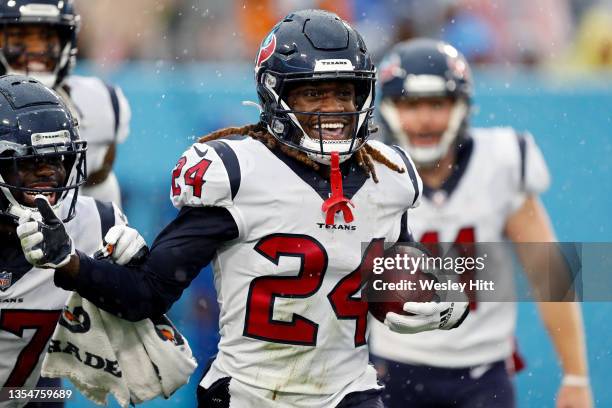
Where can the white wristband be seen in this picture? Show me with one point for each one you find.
(575, 380)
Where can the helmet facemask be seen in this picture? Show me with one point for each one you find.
(312, 47)
(418, 70)
(72, 155)
(283, 122)
(426, 156)
(52, 54)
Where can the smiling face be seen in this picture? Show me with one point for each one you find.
(326, 97)
(39, 173)
(424, 120)
(31, 47)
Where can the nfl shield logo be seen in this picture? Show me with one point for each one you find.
(6, 278)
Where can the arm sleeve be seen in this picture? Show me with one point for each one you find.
(178, 254)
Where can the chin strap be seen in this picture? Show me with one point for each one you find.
(337, 201)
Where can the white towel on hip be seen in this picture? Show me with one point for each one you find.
(101, 353)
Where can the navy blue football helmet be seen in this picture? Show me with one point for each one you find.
(57, 14)
(306, 46)
(35, 124)
(424, 68)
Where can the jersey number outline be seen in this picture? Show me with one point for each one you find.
(263, 290)
(15, 321)
(194, 176)
(464, 244)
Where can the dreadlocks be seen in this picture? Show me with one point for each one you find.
(365, 157)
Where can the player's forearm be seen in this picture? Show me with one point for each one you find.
(544, 264)
(178, 254)
(71, 269)
(548, 271)
(563, 320)
(124, 291)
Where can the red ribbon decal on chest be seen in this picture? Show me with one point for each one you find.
(337, 201)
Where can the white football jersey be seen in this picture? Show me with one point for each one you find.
(30, 304)
(104, 117)
(286, 287)
(496, 170)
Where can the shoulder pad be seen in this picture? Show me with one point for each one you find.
(123, 113)
(207, 174)
(401, 158)
(534, 175)
(92, 93)
(520, 154)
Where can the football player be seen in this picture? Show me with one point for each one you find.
(41, 158)
(282, 208)
(479, 185)
(38, 38)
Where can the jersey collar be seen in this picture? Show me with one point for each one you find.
(353, 176)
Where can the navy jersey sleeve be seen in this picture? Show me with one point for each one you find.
(178, 254)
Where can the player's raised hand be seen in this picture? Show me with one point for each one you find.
(424, 316)
(123, 245)
(45, 243)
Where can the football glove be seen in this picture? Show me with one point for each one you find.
(426, 316)
(123, 245)
(45, 244)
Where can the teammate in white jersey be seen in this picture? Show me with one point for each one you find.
(40, 153)
(479, 185)
(282, 208)
(39, 38)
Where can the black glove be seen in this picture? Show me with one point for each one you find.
(45, 243)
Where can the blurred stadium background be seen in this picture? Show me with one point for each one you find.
(545, 66)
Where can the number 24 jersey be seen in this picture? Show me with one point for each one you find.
(288, 284)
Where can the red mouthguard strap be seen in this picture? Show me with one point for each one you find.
(337, 201)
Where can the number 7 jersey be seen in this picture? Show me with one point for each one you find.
(30, 303)
(288, 284)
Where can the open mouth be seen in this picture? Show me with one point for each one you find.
(32, 64)
(37, 66)
(331, 130)
(28, 197)
(426, 139)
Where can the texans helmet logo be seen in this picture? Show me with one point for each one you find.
(266, 50)
(391, 68)
(458, 67)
